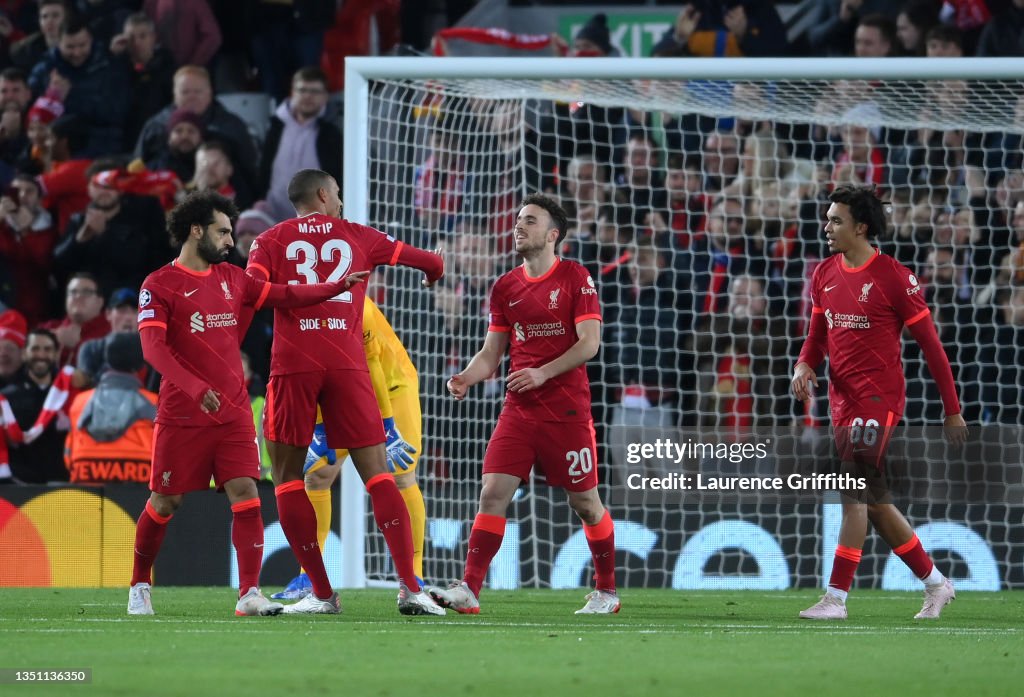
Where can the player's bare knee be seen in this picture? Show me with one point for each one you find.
(165, 504)
(587, 506)
(240, 489)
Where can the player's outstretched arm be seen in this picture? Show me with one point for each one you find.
(300, 295)
(158, 354)
(588, 341)
(430, 263)
(481, 367)
(927, 338)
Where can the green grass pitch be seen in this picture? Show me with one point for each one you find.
(525, 643)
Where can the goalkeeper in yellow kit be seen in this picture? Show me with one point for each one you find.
(396, 385)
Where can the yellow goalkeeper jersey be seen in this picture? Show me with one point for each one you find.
(391, 369)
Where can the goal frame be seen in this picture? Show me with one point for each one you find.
(360, 71)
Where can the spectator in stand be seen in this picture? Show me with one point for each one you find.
(720, 157)
(184, 136)
(641, 186)
(1004, 34)
(29, 51)
(302, 135)
(42, 460)
(832, 30)
(586, 190)
(913, 24)
(111, 437)
(84, 319)
(685, 212)
(215, 171)
(642, 339)
(15, 98)
(256, 344)
(118, 238)
(287, 36)
(193, 92)
(122, 315)
(587, 129)
(27, 238)
(91, 83)
(13, 331)
(152, 71)
(944, 42)
(64, 181)
(875, 37)
(443, 184)
(711, 28)
(1003, 362)
(861, 160)
(186, 27)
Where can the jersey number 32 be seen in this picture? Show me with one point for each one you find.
(337, 252)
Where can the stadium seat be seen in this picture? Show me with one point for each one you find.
(254, 108)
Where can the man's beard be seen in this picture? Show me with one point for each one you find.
(209, 253)
(40, 368)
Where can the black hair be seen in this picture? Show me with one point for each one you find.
(885, 26)
(559, 218)
(304, 185)
(865, 207)
(945, 34)
(39, 331)
(311, 73)
(73, 25)
(13, 74)
(198, 209)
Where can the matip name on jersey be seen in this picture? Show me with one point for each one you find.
(316, 324)
(323, 228)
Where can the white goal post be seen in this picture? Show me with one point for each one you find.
(910, 99)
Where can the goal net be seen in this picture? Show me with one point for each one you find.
(696, 193)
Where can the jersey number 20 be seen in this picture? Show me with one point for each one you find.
(307, 256)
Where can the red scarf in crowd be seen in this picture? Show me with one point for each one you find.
(492, 37)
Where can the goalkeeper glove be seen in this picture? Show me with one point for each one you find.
(318, 448)
(399, 453)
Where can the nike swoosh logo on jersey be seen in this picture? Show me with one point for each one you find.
(577, 481)
(828, 288)
(515, 302)
(188, 293)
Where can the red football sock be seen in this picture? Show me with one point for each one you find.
(914, 556)
(298, 520)
(601, 539)
(247, 536)
(392, 519)
(843, 568)
(149, 535)
(484, 543)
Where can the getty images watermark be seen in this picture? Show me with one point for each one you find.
(686, 454)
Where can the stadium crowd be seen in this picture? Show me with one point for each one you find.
(700, 231)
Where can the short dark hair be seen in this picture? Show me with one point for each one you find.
(198, 208)
(945, 34)
(73, 25)
(865, 207)
(13, 74)
(559, 218)
(311, 73)
(86, 276)
(39, 331)
(140, 19)
(305, 184)
(885, 26)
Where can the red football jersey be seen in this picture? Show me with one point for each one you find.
(313, 249)
(201, 312)
(541, 315)
(866, 309)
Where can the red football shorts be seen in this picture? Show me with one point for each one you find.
(565, 452)
(349, 407)
(863, 431)
(185, 457)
